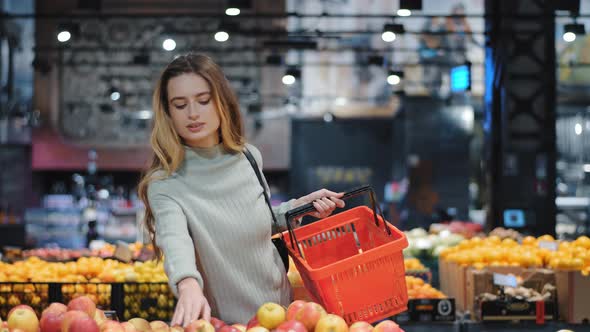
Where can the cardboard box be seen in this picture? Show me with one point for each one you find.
(573, 296)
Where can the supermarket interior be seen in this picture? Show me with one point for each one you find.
(456, 129)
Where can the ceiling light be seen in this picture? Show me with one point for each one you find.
(570, 31)
(221, 36)
(578, 129)
(169, 44)
(404, 12)
(64, 36)
(394, 77)
(232, 11)
(390, 31)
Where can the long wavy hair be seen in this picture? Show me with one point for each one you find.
(167, 145)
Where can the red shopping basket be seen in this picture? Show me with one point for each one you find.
(351, 262)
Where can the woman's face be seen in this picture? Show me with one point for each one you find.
(193, 111)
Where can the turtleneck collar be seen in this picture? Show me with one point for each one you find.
(204, 153)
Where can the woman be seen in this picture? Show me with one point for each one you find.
(205, 209)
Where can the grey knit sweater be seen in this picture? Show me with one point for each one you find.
(213, 225)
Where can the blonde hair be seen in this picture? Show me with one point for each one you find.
(166, 143)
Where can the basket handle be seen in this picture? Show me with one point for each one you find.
(309, 208)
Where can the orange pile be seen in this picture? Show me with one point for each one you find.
(413, 264)
(492, 251)
(418, 289)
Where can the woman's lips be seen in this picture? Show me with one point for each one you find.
(195, 127)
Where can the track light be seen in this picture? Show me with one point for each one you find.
(390, 31)
(291, 76)
(224, 30)
(65, 31)
(394, 77)
(570, 31)
(234, 7)
(114, 94)
(221, 36)
(410, 4)
(169, 44)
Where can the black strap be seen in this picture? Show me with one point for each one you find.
(259, 176)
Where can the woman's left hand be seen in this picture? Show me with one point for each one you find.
(324, 201)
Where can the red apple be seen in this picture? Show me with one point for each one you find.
(240, 327)
(23, 317)
(331, 323)
(200, 325)
(293, 308)
(360, 327)
(69, 317)
(83, 324)
(128, 327)
(83, 303)
(271, 315)
(252, 322)
(291, 326)
(55, 307)
(310, 314)
(386, 326)
(176, 328)
(257, 329)
(217, 323)
(111, 326)
(229, 328)
(51, 321)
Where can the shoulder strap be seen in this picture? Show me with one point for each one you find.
(254, 164)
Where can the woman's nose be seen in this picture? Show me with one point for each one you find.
(192, 112)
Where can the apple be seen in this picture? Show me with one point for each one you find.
(257, 329)
(293, 308)
(51, 321)
(99, 317)
(69, 318)
(200, 325)
(55, 307)
(176, 328)
(271, 315)
(83, 324)
(140, 324)
(128, 327)
(360, 327)
(229, 328)
(310, 314)
(252, 323)
(386, 326)
(217, 323)
(111, 326)
(240, 327)
(83, 303)
(331, 323)
(291, 326)
(22, 317)
(4, 326)
(159, 325)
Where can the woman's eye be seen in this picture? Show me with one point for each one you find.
(204, 102)
(180, 106)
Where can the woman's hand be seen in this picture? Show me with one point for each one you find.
(191, 305)
(324, 201)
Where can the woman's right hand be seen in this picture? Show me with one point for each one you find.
(191, 305)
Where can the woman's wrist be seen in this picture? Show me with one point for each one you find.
(187, 283)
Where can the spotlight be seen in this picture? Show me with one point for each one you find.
(65, 31)
(234, 7)
(404, 12)
(114, 94)
(570, 31)
(291, 76)
(169, 44)
(578, 129)
(394, 77)
(221, 36)
(328, 117)
(390, 31)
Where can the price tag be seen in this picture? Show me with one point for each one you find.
(505, 280)
(122, 252)
(549, 245)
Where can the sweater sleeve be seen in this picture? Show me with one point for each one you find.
(280, 210)
(172, 235)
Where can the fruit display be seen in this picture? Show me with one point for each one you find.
(418, 289)
(532, 252)
(422, 244)
(464, 228)
(81, 314)
(504, 233)
(522, 293)
(64, 255)
(413, 264)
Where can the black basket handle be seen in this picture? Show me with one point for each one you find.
(309, 208)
